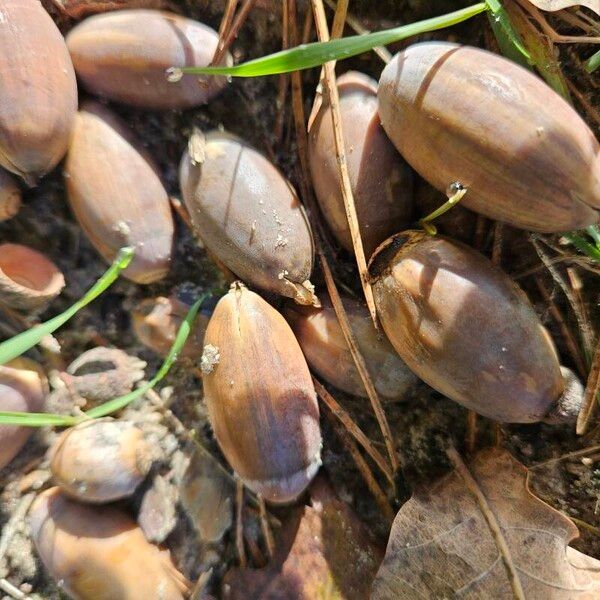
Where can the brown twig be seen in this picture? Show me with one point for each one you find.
(284, 79)
(266, 529)
(490, 519)
(346, 187)
(471, 430)
(570, 342)
(353, 429)
(233, 30)
(576, 454)
(497, 245)
(589, 108)
(363, 467)
(590, 395)
(223, 30)
(239, 523)
(300, 123)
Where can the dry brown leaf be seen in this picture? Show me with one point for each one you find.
(441, 546)
(324, 553)
(553, 5)
(80, 8)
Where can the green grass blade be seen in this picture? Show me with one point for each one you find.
(26, 419)
(593, 62)
(594, 233)
(19, 344)
(508, 39)
(318, 53)
(583, 245)
(47, 419)
(182, 335)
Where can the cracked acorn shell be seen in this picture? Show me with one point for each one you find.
(28, 280)
(464, 327)
(260, 397)
(10, 196)
(116, 194)
(23, 388)
(124, 56)
(248, 215)
(101, 460)
(322, 341)
(39, 91)
(381, 181)
(99, 552)
(463, 114)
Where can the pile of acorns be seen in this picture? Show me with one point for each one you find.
(453, 113)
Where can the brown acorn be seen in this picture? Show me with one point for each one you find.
(325, 348)
(10, 196)
(23, 388)
(99, 553)
(39, 91)
(260, 397)
(124, 56)
(248, 215)
(100, 460)
(381, 180)
(464, 327)
(116, 194)
(28, 280)
(462, 114)
(156, 322)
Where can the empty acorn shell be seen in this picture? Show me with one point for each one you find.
(248, 215)
(157, 320)
(100, 460)
(260, 397)
(10, 196)
(23, 388)
(124, 56)
(464, 327)
(116, 194)
(28, 280)
(526, 157)
(39, 91)
(381, 180)
(99, 553)
(325, 348)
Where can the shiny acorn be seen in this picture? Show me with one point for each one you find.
(260, 397)
(10, 196)
(124, 56)
(464, 327)
(23, 388)
(99, 553)
(39, 91)
(381, 180)
(116, 194)
(463, 114)
(321, 338)
(156, 322)
(28, 280)
(248, 215)
(100, 460)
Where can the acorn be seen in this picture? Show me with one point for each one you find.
(99, 553)
(116, 194)
(39, 91)
(381, 181)
(325, 348)
(23, 388)
(260, 397)
(28, 280)
(464, 327)
(100, 460)
(248, 215)
(523, 153)
(156, 322)
(10, 196)
(124, 56)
